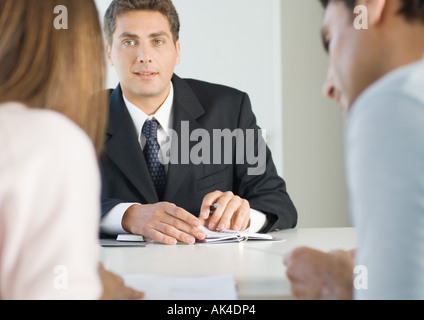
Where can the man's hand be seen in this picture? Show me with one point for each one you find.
(232, 212)
(316, 275)
(114, 287)
(163, 222)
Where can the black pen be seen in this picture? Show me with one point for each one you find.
(213, 208)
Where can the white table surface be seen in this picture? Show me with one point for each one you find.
(256, 265)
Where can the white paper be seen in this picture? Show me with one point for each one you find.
(156, 287)
(129, 237)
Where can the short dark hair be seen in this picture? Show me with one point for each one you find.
(349, 3)
(118, 7)
(411, 9)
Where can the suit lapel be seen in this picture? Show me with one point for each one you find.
(186, 108)
(123, 148)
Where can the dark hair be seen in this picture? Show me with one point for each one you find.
(411, 9)
(118, 7)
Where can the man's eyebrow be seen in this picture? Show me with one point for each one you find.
(128, 35)
(158, 34)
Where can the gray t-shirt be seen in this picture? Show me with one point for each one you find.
(385, 172)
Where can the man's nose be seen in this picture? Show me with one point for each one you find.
(144, 55)
(328, 88)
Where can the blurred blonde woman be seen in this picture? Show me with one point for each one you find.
(52, 112)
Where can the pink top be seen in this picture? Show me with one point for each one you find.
(49, 207)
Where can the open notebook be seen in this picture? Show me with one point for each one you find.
(234, 236)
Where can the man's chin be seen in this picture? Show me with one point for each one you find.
(145, 93)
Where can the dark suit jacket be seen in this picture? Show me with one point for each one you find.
(125, 177)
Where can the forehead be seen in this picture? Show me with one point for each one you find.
(142, 22)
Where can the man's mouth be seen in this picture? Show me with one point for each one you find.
(145, 75)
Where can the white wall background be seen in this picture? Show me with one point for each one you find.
(271, 49)
(312, 125)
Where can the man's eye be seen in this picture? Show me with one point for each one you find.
(158, 42)
(326, 43)
(128, 43)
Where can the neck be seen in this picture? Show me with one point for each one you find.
(404, 45)
(149, 104)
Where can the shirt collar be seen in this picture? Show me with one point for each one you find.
(163, 115)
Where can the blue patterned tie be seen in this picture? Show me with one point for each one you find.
(151, 153)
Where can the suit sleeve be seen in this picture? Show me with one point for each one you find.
(108, 204)
(257, 179)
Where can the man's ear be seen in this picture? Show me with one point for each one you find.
(178, 48)
(375, 10)
(109, 54)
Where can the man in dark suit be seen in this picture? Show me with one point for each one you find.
(176, 147)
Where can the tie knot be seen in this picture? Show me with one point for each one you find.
(150, 129)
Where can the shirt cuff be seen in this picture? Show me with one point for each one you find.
(257, 220)
(111, 222)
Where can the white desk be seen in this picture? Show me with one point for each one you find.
(257, 266)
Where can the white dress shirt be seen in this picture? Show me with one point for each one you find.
(49, 207)
(112, 221)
